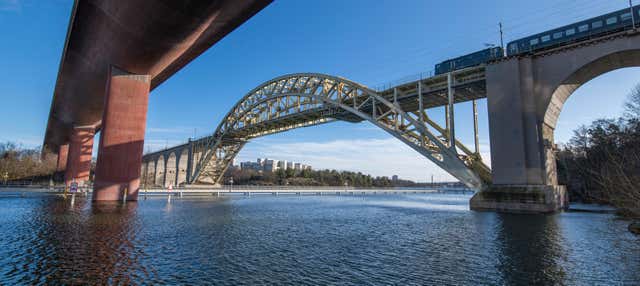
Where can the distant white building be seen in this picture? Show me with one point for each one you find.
(271, 165)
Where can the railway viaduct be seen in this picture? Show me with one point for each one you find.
(132, 48)
(525, 97)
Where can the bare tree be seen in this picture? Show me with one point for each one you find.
(632, 106)
(19, 163)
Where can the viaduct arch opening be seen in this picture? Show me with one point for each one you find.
(587, 72)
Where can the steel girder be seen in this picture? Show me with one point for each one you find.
(300, 100)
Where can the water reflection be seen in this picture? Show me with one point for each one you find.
(110, 244)
(531, 249)
(84, 243)
(403, 240)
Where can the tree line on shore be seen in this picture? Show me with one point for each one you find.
(21, 164)
(601, 162)
(312, 178)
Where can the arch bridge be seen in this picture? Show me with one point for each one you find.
(306, 99)
(525, 95)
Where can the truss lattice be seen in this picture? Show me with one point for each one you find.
(301, 100)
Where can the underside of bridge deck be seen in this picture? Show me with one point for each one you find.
(148, 38)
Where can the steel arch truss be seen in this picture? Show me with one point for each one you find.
(300, 100)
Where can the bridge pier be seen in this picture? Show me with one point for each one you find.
(523, 167)
(521, 199)
(79, 155)
(122, 138)
(63, 154)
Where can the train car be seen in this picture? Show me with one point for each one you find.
(469, 60)
(580, 31)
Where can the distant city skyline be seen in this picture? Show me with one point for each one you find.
(271, 165)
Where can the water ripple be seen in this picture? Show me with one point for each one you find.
(355, 240)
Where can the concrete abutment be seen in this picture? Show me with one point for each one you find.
(521, 199)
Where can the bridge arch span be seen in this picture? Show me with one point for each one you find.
(526, 95)
(580, 67)
(305, 99)
(588, 71)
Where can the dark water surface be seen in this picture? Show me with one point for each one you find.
(354, 240)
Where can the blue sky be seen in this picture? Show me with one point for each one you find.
(372, 42)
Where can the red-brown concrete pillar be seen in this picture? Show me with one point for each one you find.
(63, 153)
(80, 150)
(122, 138)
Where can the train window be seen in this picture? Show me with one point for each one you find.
(513, 47)
(534, 42)
(596, 24)
(546, 38)
(570, 32)
(625, 16)
(612, 20)
(557, 35)
(583, 28)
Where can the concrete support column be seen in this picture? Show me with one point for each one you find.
(515, 133)
(122, 138)
(521, 172)
(143, 174)
(155, 173)
(79, 159)
(63, 154)
(190, 161)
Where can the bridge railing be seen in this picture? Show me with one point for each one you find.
(151, 151)
(405, 79)
(453, 186)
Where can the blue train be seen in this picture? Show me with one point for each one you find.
(598, 26)
(469, 60)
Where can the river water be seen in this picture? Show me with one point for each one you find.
(307, 240)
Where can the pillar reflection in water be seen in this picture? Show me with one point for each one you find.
(112, 231)
(89, 244)
(531, 249)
